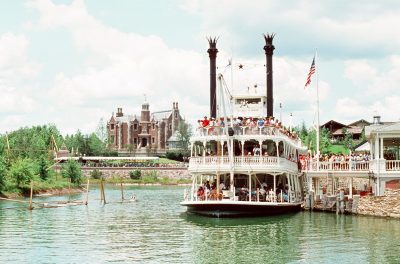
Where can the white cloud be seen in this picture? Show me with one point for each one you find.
(15, 70)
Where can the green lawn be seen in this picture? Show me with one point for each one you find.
(336, 149)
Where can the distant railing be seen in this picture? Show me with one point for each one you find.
(338, 166)
(393, 165)
(390, 165)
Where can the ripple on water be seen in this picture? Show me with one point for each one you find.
(156, 229)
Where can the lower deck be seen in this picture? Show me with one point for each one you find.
(240, 208)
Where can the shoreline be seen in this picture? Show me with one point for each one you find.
(81, 189)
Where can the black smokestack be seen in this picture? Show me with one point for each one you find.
(269, 51)
(212, 51)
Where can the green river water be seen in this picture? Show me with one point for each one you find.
(156, 229)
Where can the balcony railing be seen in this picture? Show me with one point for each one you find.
(247, 131)
(330, 166)
(240, 162)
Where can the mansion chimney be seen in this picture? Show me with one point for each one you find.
(269, 51)
(212, 51)
(119, 112)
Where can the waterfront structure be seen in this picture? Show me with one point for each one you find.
(382, 170)
(144, 134)
(337, 129)
(244, 163)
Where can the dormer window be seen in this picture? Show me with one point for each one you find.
(135, 126)
(112, 126)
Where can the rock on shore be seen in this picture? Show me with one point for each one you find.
(387, 205)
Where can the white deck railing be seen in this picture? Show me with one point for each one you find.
(210, 162)
(245, 131)
(393, 165)
(331, 166)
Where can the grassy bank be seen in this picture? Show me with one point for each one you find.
(143, 180)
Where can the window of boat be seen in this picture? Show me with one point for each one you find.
(244, 101)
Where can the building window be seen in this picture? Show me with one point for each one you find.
(135, 141)
(135, 126)
(152, 140)
(170, 127)
(154, 126)
(112, 126)
(112, 138)
(176, 115)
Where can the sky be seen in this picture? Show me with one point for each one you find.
(74, 62)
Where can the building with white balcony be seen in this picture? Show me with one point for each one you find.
(382, 170)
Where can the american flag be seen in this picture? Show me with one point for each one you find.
(311, 72)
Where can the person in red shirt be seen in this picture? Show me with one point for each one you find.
(206, 122)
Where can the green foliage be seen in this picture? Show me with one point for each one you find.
(96, 174)
(89, 145)
(309, 138)
(3, 173)
(348, 140)
(72, 170)
(183, 135)
(174, 155)
(21, 172)
(33, 142)
(43, 168)
(150, 177)
(135, 174)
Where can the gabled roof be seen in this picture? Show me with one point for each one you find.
(361, 121)
(385, 128)
(333, 122)
(125, 118)
(160, 115)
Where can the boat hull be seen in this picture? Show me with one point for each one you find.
(240, 209)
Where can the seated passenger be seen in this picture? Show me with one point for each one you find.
(200, 193)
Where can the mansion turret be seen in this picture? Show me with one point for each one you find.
(148, 131)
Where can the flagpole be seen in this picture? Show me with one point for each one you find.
(316, 76)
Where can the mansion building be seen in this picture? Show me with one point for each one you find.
(154, 132)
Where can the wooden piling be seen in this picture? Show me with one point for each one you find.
(30, 197)
(122, 191)
(102, 191)
(69, 189)
(87, 192)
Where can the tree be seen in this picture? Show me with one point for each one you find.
(3, 173)
(72, 170)
(325, 141)
(43, 168)
(183, 135)
(22, 172)
(101, 131)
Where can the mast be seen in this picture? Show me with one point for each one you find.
(269, 51)
(316, 83)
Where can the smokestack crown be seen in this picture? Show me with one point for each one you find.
(269, 48)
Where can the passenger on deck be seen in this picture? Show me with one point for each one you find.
(200, 193)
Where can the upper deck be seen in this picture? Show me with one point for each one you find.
(245, 133)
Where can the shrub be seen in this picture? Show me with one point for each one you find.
(3, 172)
(22, 172)
(151, 177)
(96, 174)
(178, 156)
(72, 170)
(43, 168)
(135, 174)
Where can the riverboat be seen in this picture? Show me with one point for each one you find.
(246, 164)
